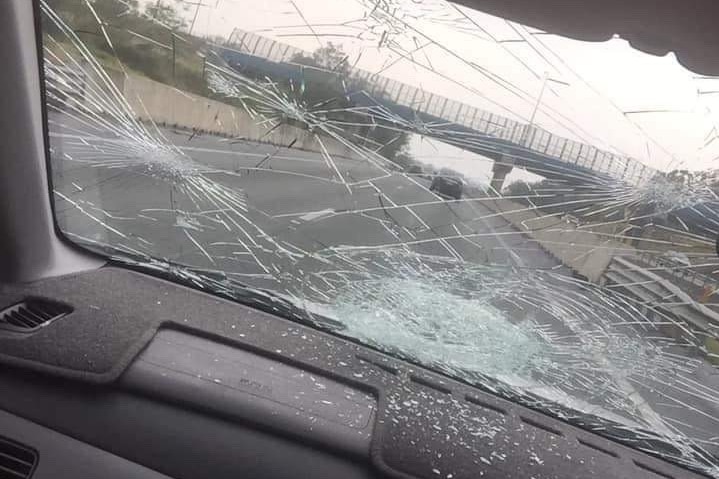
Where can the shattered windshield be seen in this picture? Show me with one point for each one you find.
(529, 213)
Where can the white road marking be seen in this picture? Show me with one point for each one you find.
(313, 215)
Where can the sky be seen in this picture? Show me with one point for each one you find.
(606, 93)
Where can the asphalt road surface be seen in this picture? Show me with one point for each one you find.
(293, 196)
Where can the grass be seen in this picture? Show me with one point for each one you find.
(712, 345)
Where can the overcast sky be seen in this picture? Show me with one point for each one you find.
(486, 62)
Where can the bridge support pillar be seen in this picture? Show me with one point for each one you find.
(500, 169)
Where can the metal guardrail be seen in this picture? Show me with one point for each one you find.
(662, 294)
(528, 136)
(679, 270)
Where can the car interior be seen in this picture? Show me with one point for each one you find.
(113, 368)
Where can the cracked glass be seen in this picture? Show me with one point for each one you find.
(529, 213)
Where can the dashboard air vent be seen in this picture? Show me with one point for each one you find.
(31, 314)
(16, 461)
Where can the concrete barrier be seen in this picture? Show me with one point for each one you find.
(164, 104)
(586, 252)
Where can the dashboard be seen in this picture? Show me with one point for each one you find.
(148, 378)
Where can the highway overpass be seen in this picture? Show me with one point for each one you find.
(508, 142)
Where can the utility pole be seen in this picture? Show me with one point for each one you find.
(157, 9)
(194, 18)
(173, 58)
(204, 63)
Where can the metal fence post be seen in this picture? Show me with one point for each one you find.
(459, 110)
(444, 105)
(564, 146)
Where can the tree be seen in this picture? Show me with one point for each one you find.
(328, 80)
(79, 16)
(329, 57)
(329, 83)
(519, 188)
(415, 169)
(167, 14)
(137, 37)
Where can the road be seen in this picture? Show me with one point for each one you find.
(293, 196)
(253, 209)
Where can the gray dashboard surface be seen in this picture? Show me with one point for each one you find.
(62, 457)
(425, 422)
(235, 382)
(177, 441)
